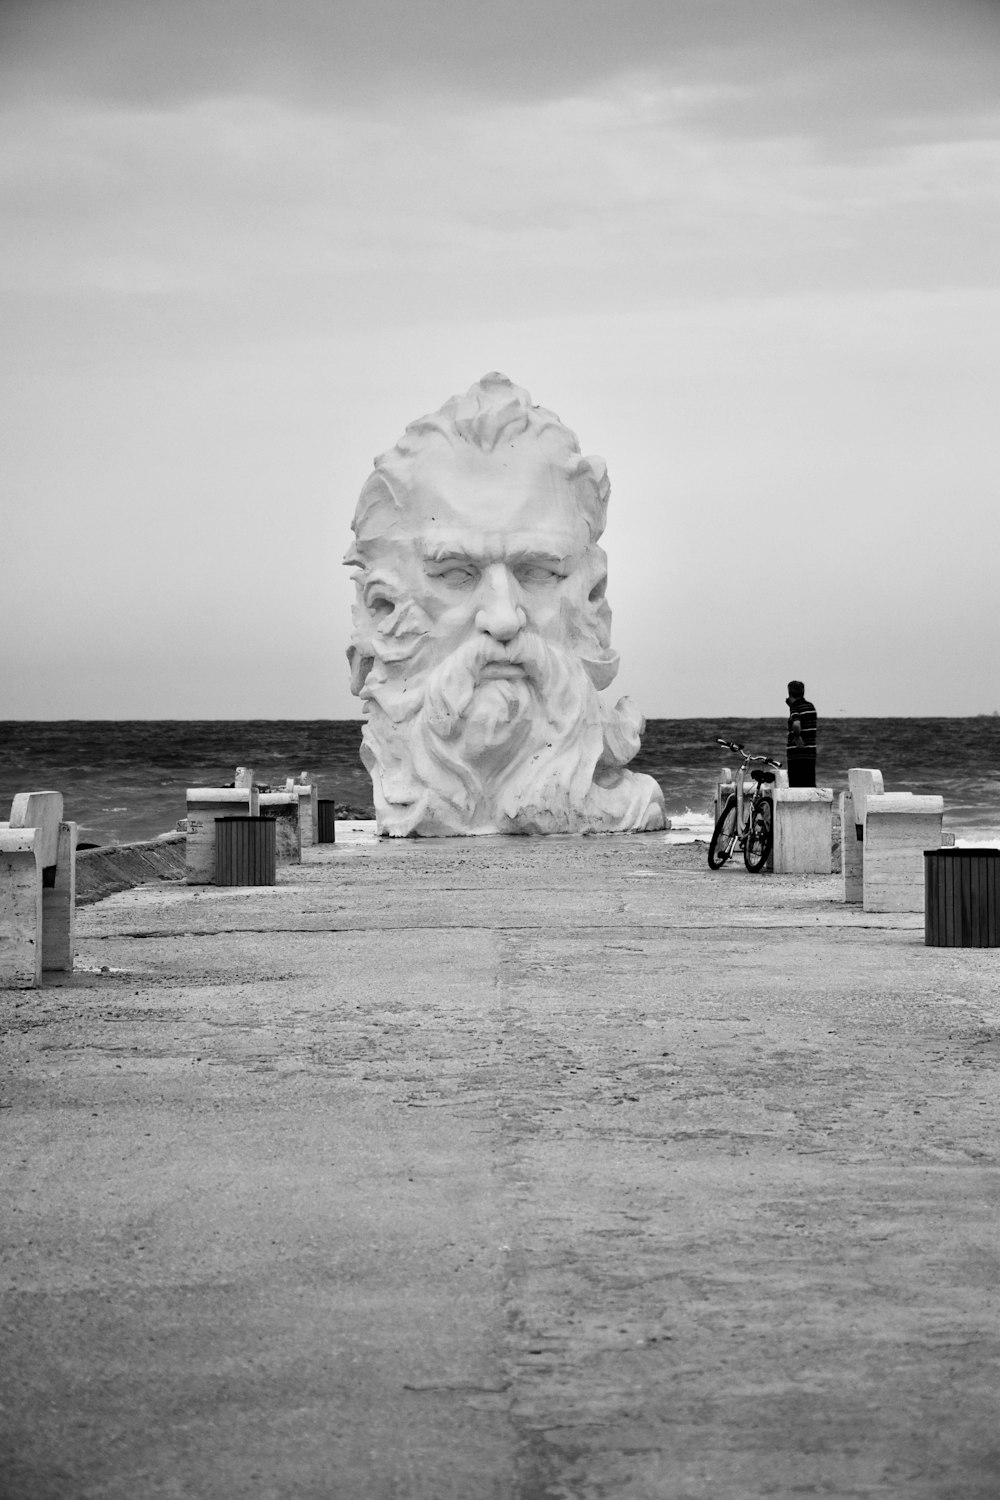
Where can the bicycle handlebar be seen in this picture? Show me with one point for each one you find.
(767, 760)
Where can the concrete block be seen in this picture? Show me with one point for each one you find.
(59, 906)
(283, 808)
(20, 908)
(204, 805)
(308, 795)
(724, 789)
(898, 827)
(42, 811)
(726, 786)
(863, 782)
(803, 830)
(851, 851)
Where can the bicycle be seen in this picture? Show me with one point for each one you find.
(745, 825)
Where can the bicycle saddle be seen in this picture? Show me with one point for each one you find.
(760, 776)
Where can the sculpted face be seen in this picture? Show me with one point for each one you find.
(481, 630)
(498, 546)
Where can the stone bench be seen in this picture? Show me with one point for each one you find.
(308, 794)
(863, 782)
(37, 890)
(896, 828)
(285, 808)
(294, 809)
(204, 805)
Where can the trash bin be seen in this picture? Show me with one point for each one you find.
(326, 820)
(962, 898)
(244, 851)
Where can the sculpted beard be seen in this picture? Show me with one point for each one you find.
(489, 711)
(512, 754)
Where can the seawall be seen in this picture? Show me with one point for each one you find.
(118, 867)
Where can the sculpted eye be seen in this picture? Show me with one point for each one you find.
(455, 576)
(380, 606)
(537, 573)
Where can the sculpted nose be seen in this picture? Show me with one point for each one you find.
(499, 613)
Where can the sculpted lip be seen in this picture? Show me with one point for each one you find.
(502, 669)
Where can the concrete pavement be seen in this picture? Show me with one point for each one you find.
(549, 1169)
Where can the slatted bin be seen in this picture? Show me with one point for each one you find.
(245, 851)
(326, 819)
(962, 898)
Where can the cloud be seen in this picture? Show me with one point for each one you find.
(256, 212)
(771, 67)
(746, 248)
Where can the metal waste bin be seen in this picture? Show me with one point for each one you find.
(245, 851)
(326, 822)
(962, 898)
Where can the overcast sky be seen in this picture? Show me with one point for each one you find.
(748, 249)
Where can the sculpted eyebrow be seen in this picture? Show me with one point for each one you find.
(459, 554)
(447, 554)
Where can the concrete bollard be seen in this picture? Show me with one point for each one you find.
(803, 830)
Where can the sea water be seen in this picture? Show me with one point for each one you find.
(126, 780)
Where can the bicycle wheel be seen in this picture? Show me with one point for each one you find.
(724, 837)
(759, 836)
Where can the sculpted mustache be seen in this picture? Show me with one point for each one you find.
(527, 650)
(452, 685)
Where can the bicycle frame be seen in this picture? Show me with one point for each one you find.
(751, 829)
(743, 812)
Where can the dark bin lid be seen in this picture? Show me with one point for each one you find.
(964, 853)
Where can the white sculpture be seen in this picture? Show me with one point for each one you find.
(481, 630)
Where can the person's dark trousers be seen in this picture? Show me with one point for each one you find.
(801, 767)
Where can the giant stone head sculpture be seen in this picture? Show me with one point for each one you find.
(481, 637)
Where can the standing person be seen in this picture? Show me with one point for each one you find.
(801, 737)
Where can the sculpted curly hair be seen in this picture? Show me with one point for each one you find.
(492, 411)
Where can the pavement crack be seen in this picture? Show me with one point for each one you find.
(476, 1390)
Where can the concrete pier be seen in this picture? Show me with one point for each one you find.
(502, 1169)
